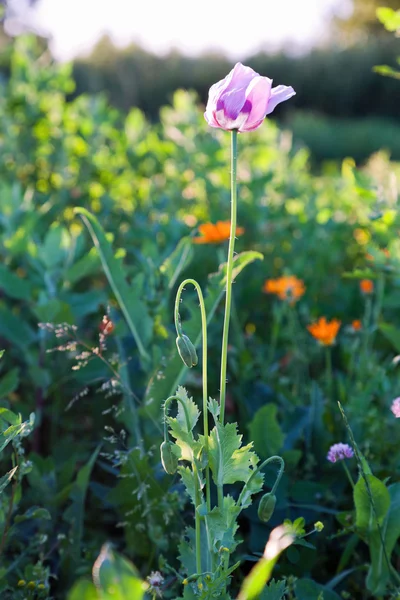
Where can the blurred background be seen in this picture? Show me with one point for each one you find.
(139, 53)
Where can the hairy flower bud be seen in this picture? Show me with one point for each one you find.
(186, 350)
(168, 459)
(266, 507)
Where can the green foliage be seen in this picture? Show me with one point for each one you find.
(82, 375)
(265, 431)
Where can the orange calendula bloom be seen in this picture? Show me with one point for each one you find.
(215, 233)
(366, 286)
(287, 287)
(356, 325)
(325, 331)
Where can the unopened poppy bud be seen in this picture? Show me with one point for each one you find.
(186, 350)
(266, 507)
(168, 459)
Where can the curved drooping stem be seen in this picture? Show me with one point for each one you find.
(229, 269)
(178, 327)
(278, 459)
(166, 407)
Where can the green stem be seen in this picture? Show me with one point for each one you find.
(278, 459)
(197, 517)
(197, 493)
(349, 477)
(328, 357)
(178, 327)
(276, 327)
(229, 269)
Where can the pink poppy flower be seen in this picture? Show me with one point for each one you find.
(243, 99)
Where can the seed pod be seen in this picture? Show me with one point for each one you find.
(168, 459)
(186, 350)
(266, 507)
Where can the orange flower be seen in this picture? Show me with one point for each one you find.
(366, 286)
(325, 331)
(287, 287)
(215, 233)
(356, 325)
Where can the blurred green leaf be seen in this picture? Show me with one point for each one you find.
(266, 432)
(307, 589)
(13, 286)
(116, 578)
(9, 383)
(83, 590)
(379, 573)
(389, 18)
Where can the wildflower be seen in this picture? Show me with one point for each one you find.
(243, 99)
(356, 325)
(286, 288)
(395, 408)
(215, 233)
(325, 331)
(155, 581)
(318, 526)
(106, 326)
(339, 452)
(366, 286)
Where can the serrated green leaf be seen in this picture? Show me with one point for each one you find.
(181, 426)
(275, 590)
(191, 412)
(221, 523)
(165, 380)
(188, 481)
(229, 462)
(214, 408)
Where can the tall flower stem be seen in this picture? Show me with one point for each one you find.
(229, 269)
(204, 367)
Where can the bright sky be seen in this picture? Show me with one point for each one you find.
(238, 27)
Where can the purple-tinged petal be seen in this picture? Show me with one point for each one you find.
(252, 127)
(279, 94)
(210, 118)
(257, 97)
